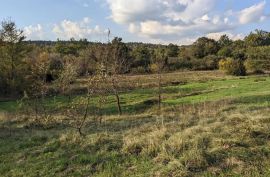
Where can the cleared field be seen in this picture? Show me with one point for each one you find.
(210, 125)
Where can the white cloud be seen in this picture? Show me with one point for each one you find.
(252, 14)
(71, 29)
(232, 36)
(34, 32)
(205, 18)
(156, 29)
(167, 20)
(133, 28)
(126, 11)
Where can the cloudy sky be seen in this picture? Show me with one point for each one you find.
(155, 21)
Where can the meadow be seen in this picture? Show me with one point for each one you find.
(209, 125)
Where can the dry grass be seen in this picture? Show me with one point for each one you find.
(128, 82)
(227, 137)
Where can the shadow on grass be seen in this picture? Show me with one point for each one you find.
(130, 109)
(256, 99)
(118, 125)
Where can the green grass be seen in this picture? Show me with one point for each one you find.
(222, 89)
(218, 127)
(194, 92)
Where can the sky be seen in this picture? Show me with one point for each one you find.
(152, 21)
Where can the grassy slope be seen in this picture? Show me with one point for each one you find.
(229, 135)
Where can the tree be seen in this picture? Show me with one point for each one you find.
(225, 46)
(258, 59)
(258, 38)
(77, 110)
(238, 50)
(66, 78)
(87, 61)
(157, 67)
(120, 56)
(224, 41)
(205, 46)
(112, 60)
(118, 64)
(71, 47)
(34, 95)
(141, 58)
(12, 58)
(225, 52)
(172, 50)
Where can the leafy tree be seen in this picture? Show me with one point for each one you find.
(12, 58)
(224, 41)
(258, 59)
(120, 55)
(225, 52)
(205, 46)
(258, 38)
(141, 58)
(87, 61)
(172, 50)
(210, 62)
(71, 47)
(66, 78)
(34, 95)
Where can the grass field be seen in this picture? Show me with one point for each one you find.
(210, 125)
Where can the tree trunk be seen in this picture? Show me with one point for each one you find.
(114, 88)
(159, 92)
(36, 108)
(84, 117)
(118, 104)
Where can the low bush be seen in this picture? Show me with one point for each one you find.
(254, 66)
(232, 67)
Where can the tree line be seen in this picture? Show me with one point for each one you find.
(26, 66)
(31, 71)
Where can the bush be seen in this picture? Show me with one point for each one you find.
(209, 62)
(232, 67)
(180, 64)
(225, 52)
(139, 70)
(254, 66)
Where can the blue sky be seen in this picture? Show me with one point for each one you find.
(155, 21)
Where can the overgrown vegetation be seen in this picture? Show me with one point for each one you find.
(24, 62)
(76, 108)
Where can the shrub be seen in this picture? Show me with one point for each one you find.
(260, 57)
(180, 64)
(139, 70)
(254, 66)
(211, 62)
(154, 68)
(225, 52)
(232, 67)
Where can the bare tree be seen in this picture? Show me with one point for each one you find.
(118, 64)
(77, 111)
(157, 67)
